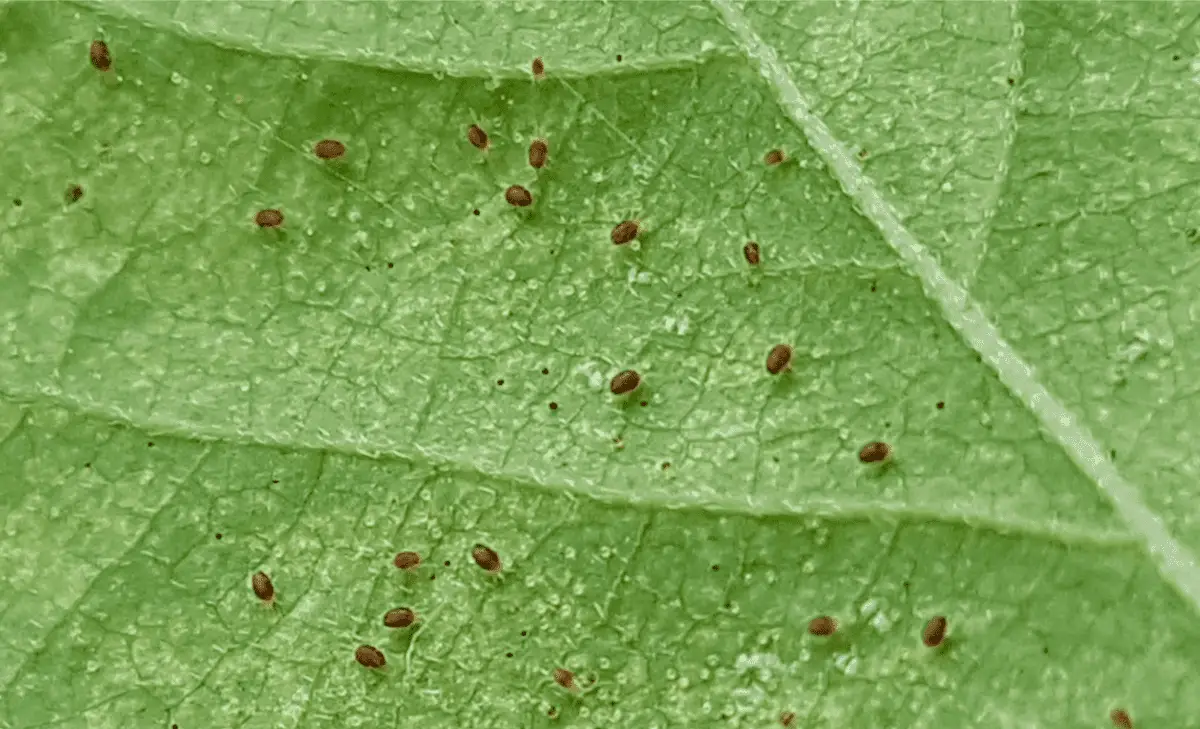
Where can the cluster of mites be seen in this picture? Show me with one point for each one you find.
(779, 360)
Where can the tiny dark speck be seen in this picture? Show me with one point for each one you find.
(433, 577)
(728, 606)
(17, 201)
(390, 265)
(475, 211)
(524, 633)
(368, 268)
(1011, 81)
(1113, 454)
(666, 465)
(554, 406)
(446, 563)
(508, 655)
(87, 465)
(274, 480)
(618, 58)
(174, 726)
(219, 535)
(150, 444)
(872, 288)
(716, 567)
(643, 403)
(1045, 651)
(545, 371)
(1175, 57)
(940, 405)
(499, 382)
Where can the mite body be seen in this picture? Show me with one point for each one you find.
(399, 618)
(787, 718)
(407, 560)
(1120, 719)
(100, 56)
(263, 588)
(518, 196)
(329, 149)
(779, 358)
(875, 452)
(539, 150)
(564, 678)
(822, 626)
(74, 193)
(370, 656)
(774, 157)
(539, 69)
(477, 137)
(753, 253)
(625, 232)
(268, 218)
(486, 558)
(935, 631)
(625, 382)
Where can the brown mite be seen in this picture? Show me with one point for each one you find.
(399, 618)
(875, 452)
(74, 193)
(538, 152)
(753, 253)
(625, 382)
(779, 358)
(935, 631)
(774, 157)
(268, 218)
(787, 718)
(823, 625)
(407, 560)
(477, 137)
(564, 678)
(518, 196)
(1120, 719)
(370, 656)
(329, 149)
(101, 58)
(486, 558)
(625, 231)
(539, 68)
(263, 588)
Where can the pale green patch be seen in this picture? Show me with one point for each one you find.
(328, 394)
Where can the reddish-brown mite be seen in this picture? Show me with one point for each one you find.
(753, 253)
(625, 382)
(486, 558)
(625, 232)
(935, 631)
(518, 196)
(263, 588)
(74, 193)
(779, 358)
(539, 69)
(100, 55)
(875, 452)
(370, 656)
(399, 618)
(268, 218)
(477, 137)
(823, 626)
(787, 718)
(539, 150)
(407, 560)
(774, 157)
(1120, 719)
(564, 678)
(329, 149)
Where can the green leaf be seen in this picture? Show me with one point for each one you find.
(981, 246)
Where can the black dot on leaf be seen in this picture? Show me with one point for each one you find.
(524, 633)
(872, 288)
(545, 371)
(941, 405)
(1011, 80)
(508, 655)
(390, 265)
(433, 577)
(475, 211)
(274, 480)
(716, 567)
(446, 563)
(87, 465)
(219, 535)
(499, 382)
(150, 444)
(17, 202)
(618, 58)
(666, 465)
(554, 406)
(1175, 57)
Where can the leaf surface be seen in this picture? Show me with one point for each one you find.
(990, 276)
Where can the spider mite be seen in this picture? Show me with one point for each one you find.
(935, 631)
(787, 718)
(625, 382)
(477, 137)
(774, 157)
(564, 678)
(101, 58)
(539, 68)
(753, 253)
(268, 218)
(538, 152)
(875, 452)
(263, 588)
(779, 358)
(370, 656)
(408, 560)
(329, 149)
(74, 193)
(822, 626)
(399, 618)
(486, 558)
(518, 196)
(625, 232)
(1120, 719)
